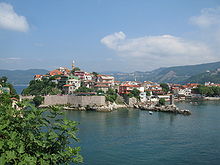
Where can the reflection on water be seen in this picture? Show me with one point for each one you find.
(135, 137)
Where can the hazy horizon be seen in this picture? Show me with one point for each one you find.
(106, 71)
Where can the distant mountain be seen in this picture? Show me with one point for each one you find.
(110, 72)
(177, 74)
(208, 76)
(21, 77)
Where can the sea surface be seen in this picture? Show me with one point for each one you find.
(134, 137)
(19, 88)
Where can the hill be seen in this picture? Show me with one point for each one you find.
(177, 74)
(209, 76)
(21, 77)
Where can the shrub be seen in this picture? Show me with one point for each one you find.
(38, 100)
(36, 136)
(162, 101)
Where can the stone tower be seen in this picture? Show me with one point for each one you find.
(171, 100)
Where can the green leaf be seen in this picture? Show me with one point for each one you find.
(2, 159)
(21, 149)
(10, 155)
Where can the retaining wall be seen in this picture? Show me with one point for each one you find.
(72, 100)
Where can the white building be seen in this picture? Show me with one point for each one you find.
(72, 83)
(143, 96)
(182, 92)
(107, 80)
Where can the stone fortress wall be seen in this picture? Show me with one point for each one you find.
(72, 100)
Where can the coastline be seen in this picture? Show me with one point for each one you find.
(103, 108)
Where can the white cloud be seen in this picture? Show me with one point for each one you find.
(207, 18)
(10, 59)
(112, 40)
(9, 19)
(158, 50)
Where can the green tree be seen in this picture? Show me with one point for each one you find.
(111, 95)
(5, 99)
(44, 87)
(36, 136)
(130, 95)
(165, 87)
(162, 101)
(3, 82)
(95, 74)
(206, 91)
(216, 91)
(75, 69)
(3, 79)
(38, 100)
(136, 93)
(84, 89)
(148, 93)
(100, 92)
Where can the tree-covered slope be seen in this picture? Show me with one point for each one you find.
(177, 74)
(201, 78)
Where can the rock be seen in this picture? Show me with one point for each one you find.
(167, 108)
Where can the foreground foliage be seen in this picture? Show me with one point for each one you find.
(36, 136)
(4, 83)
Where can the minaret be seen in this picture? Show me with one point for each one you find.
(73, 64)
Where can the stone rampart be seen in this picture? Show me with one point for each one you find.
(55, 100)
(72, 100)
(86, 100)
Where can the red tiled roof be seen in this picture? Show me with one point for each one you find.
(68, 85)
(128, 85)
(38, 76)
(13, 98)
(55, 72)
(175, 88)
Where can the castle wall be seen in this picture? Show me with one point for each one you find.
(72, 100)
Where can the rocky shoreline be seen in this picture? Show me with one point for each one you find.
(104, 108)
(162, 108)
(109, 107)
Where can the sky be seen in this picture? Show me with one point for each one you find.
(108, 35)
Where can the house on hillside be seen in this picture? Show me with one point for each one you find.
(38, 77)
(55, 72)
(80, 74)
(105, 79)
(71, 84)
(64, 70)
(127, 88)
(102, 87)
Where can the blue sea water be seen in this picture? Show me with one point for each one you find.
(133, 137)
(19, 88)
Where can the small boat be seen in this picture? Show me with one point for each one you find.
(150, 112)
